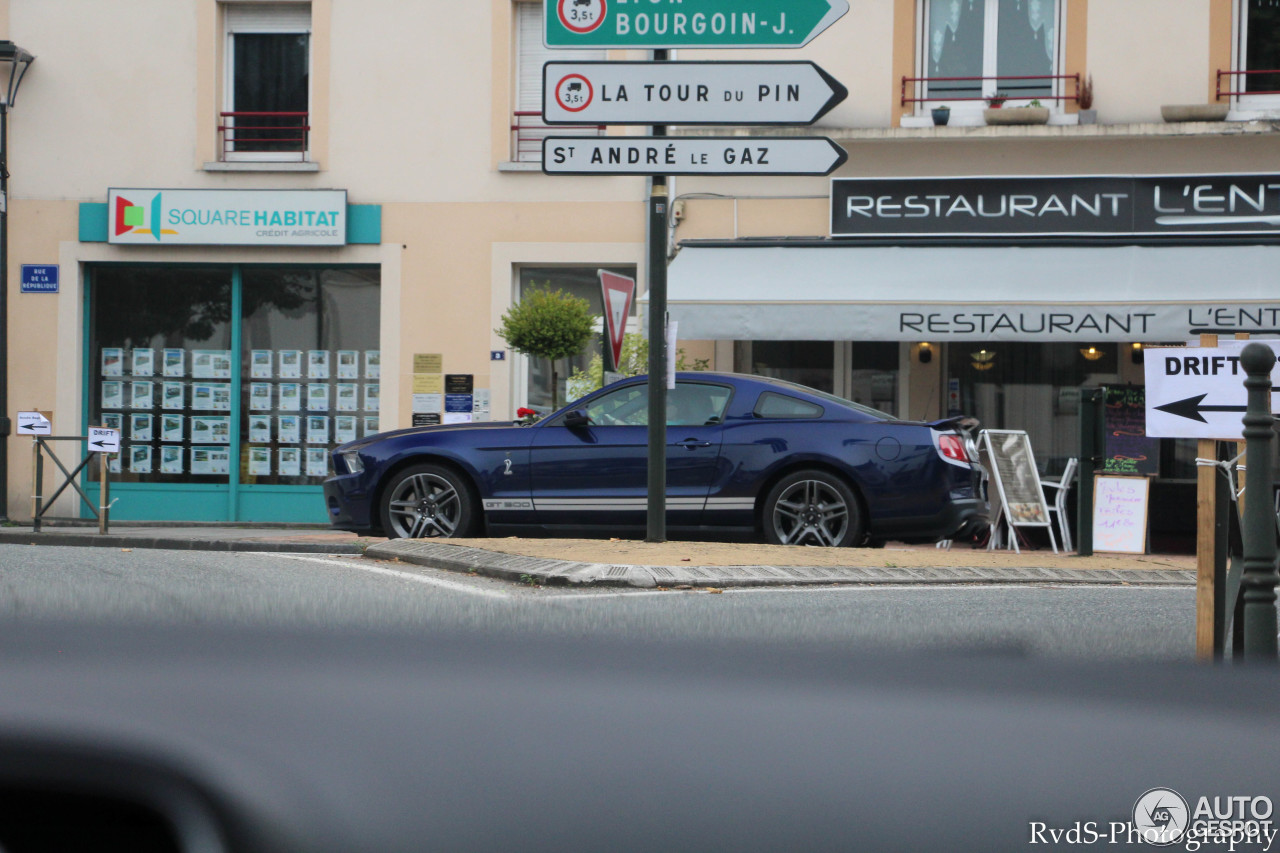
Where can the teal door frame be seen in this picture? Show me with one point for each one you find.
(200, 502)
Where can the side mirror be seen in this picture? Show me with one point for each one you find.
(576, 418)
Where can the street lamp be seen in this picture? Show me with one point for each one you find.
(18, 61)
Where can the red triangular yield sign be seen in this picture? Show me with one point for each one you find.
(618, 291)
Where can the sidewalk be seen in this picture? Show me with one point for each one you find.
(201, 537)
(631, 563)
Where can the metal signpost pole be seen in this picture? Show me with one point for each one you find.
(104, 497)
(4, 312)
(37, 466)
(1259, 582)
(656, 511)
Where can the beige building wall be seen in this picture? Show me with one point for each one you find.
(1145, 53)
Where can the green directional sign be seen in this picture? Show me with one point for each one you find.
(657, 24)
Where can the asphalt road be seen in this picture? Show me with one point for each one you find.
(102, 585)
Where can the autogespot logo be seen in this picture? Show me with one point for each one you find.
(1160, 816)
(134, 219)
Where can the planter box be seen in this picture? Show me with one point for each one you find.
(1016, 115)
(1194, 112)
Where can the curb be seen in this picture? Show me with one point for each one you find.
(95, 540)
(458, 558)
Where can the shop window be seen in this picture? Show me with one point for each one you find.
(994, 39)
(194, 410)
(266, 113)
(1258, 48)
(527, 129)
(808, 363)
(1030, 386)
(583, 282)
(873, 375)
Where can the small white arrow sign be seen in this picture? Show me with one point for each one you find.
(104, 440)
(703, 155)
(693, 93)
(33, 423)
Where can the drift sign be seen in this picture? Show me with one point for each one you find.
(1199, 392)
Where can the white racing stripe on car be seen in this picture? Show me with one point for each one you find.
(616, 504)
(731, 503)
(441, 583)
(610, 504)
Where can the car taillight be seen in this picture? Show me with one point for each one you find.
(952, 447)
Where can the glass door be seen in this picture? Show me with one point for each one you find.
(310, 358)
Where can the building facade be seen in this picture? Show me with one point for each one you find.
(973, 267)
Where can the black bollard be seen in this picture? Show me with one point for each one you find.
(1258, 586)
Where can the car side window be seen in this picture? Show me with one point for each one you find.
(773, 405)
(689, 404)
(627, 406)
(696, 404)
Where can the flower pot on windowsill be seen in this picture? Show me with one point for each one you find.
(1194, 112)
(1016, 115)
(941, 115)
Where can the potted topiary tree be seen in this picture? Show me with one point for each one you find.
(548, 324)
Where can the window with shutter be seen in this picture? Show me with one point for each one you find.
(527, 129)
(267, 94)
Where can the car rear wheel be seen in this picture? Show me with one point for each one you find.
(429, 501)
(812, 508)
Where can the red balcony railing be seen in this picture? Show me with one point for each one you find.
(528, 131)
(264, 133)
(1231, 92)
(1014, 87)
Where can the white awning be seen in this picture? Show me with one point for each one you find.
(1112, 293)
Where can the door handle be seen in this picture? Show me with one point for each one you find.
(692, 443)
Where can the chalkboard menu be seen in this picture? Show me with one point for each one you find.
(1014, 470)
(1128, 449)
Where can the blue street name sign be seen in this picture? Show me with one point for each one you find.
(39, 278)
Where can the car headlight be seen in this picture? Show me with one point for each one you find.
(353, 462)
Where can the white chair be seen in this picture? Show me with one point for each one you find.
(1059, 503)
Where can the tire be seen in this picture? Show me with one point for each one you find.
(429, 501)
(813, 508)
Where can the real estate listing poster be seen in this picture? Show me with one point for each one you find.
(175, 362)
(210, 461)
(317, 462)
(290, 462)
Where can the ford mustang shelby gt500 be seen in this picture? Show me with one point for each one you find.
(744, 453)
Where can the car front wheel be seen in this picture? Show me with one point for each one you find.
(812, 508)
(429, 501)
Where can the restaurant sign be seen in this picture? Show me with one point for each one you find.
(1143, 206)
(167, 217)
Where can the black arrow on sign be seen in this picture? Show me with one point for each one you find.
(98, 443)
(1190, 408)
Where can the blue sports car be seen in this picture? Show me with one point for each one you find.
(744, 454)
